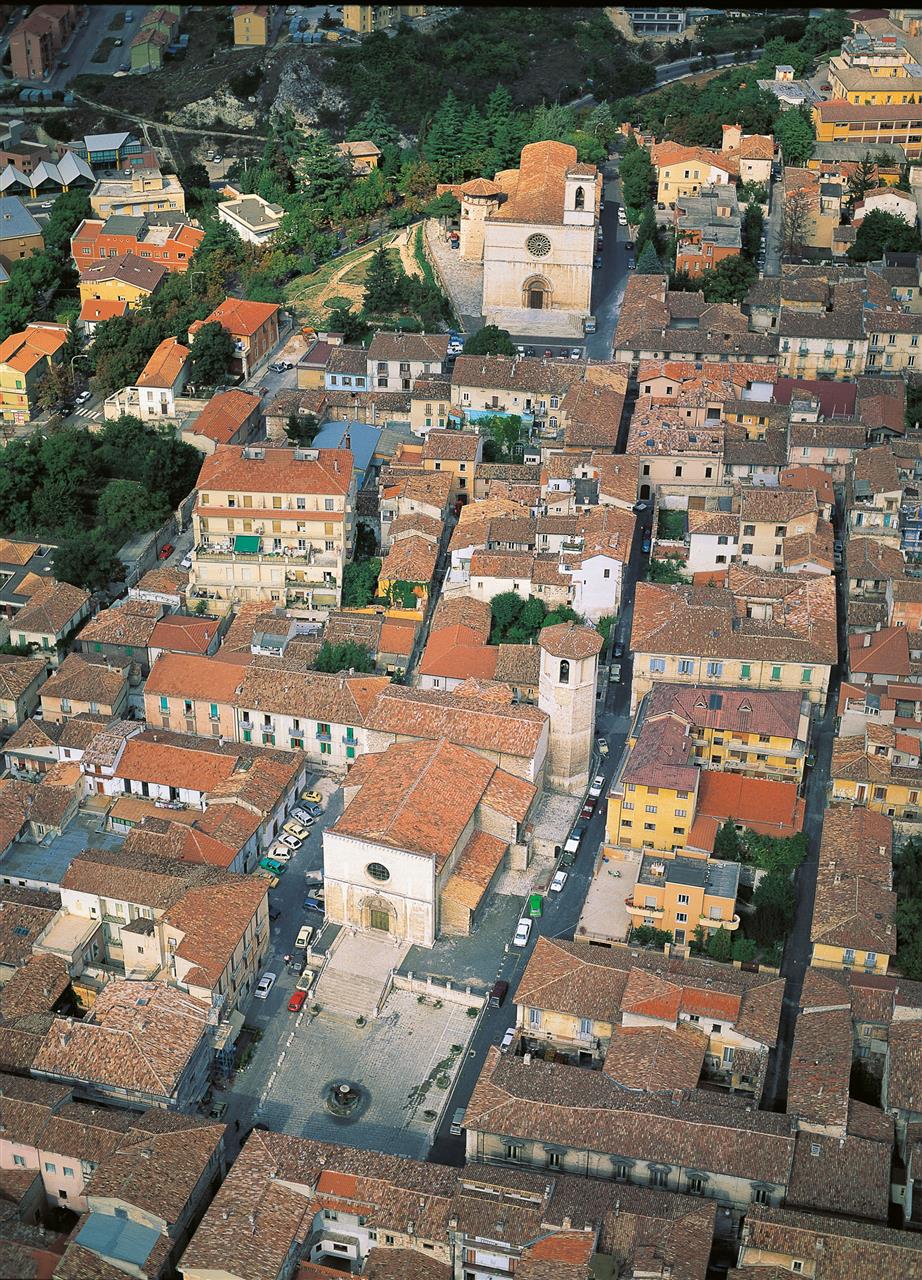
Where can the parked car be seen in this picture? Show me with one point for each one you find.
(118, 44)
(305, 933)
(301, 815)
(295, 828)
(573, 839)
(217, 1111)
(272, 866)
(265, 985)
(47, 204)
(287, 364)
(311, 797)
(598, 785)
(576, 353)
(522, 932)
(279, 853)
(313, 881)
(83, 396)
(640, 506)
(166, 551)
(619, 649)
(588, 808)
(457, 1121)
(296, 1001)
(560, 879)
(312, 810)
(597, 261)
(499, 993)
(305, 982)
(262, 874)
(507, 1040)
(548, 353)
(218, 159)
(603, 746)
(614, 677)
(313, 903)
(186, 562)
(293, 842)
(645, 544)
(277, 367)
(629, 245)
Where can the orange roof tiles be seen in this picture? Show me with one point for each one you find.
(535, 191)
(762, 804)
(165, 365)
(225, 414)
(96, 310)
(457, 652)
(278, 471)
(22, 351)
(184, 675)
(145, 760)
(242, 318)
(182, 634)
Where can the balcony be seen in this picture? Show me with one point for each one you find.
(225, 551)
(323, 737)
(349, 742)
(730, 925)
(633, 909)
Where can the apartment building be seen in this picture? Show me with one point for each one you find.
(854, 915)
(20, 234)
(25, 359)
(139, 192)
(37, 39)
(79, 687)
(395, 360)
(171, 242)
(123, 279)
(255, 220)
(254, 327)
(870, 124)
(273, 524)
(761, 630)
(251, 24)
(708, 229)
(682, 172)
(874, 494)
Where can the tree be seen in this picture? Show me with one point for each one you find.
(374, 126)
(359, 581)
(489, 341)
(775, 903)
(505, 608)
(667, 570)
(727, 843)
(504, 429)
(794, 134)
(601, 125)
(796, 224)
(605, 624)
(382, 286)
(730, 280)
(751, 230)
(125, 507)
(879, 232)
(344, 657)
(719, 945)
(861, 181)
(647, 230)
(85, 559)
(443, 142)
(648, 264)
(349, 323)
(302, 428)
(210, 354)
(744, 949)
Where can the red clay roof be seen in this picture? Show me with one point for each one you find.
(834, 397)
(884, 652)
(456, 653)
(241, 317)
(769, 807)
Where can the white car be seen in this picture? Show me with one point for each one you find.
(279, 853)
(304, 937)
(598, 783)
(303, 817)
(186, 562)
(507, 1039)
(83, 397)
(265, 985)
(560, 879)
(292, 841)
(522, 932)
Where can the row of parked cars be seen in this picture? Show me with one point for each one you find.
(295, 831)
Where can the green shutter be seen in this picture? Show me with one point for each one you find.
(746, 671)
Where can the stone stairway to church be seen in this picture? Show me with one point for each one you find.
(355, 975)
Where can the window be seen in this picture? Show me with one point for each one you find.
(849, 956)
(776, 673)
(657, 665)
(378, 871)
(797, 1266)
(553, 1159)
(728, 1055)
(650, 808)
(564, 672)
(715, 669)
(761, 1195)
(659, 1177)
(585, 1026)
(686, 666)
(19, 1161)
(164, 703)
(50, 1168)
(534, 1017)
(746, 671)
(68, 1173)
(648, 826)
(683, 899)
(511, 1152)
(681, 917)
(695, 1184)
(806, 675)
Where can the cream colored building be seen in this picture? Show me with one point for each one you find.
(274, 525)
(146, 191)
(534, 230)
(566, 691)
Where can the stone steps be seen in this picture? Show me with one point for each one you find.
(352, 994)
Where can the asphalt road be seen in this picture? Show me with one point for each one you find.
(679, 70)
(87, 39)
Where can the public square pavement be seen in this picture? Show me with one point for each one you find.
(475, 959)
(388, 1058)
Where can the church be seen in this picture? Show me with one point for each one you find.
(534, 230)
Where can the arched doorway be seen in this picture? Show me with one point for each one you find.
(379, 915)
(537, 294)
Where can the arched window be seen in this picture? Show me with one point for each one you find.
(579, 200)
(564, 672)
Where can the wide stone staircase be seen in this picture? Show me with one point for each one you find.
(355, 974)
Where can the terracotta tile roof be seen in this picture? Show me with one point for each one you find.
(876, 469)
(418, 796)
(849, 1250)
(241, 318)
(869, 558)
(880, 652)
(17, 674)
(821, 1060)
(165, 579)
(457, 652)
(474, 868)
(145, 759)
(97, 310)
(775, 712)
(762, 804)
(126, 1045)
(185, 675)
(416, 522)
(451, 445)
(165, 365)
(568, 977)
(430, 348)
(475, 721)
(331, 699)
(130, 624)
(849, 1175)
(214, 920)
(571, 1107)
(570, 640)
(84, 681)
(904, 1066)
(383, 1263)
(535, 191)
(36, 987)
(225, 414)
(179, 633)
(52, 609)
(656, 1058)
(593, 415)
(464, 611)
(518, 664)
(229, 470)
(662, 755)
(397, 636)
(809, 478)
(412, 559)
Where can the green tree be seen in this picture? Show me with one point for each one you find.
(211, 354)
(774, 905)
(504, 430)
(794, 134)
(382, 285)
(648, 264)
(605, 624)
(601, 125)
(86, 559)
(443, 142)
(720, 945)
(730, 280)
(879, 232)
(861, 181)
(301, 428)
(498, 111)
(125, 507)
(751, 231)
(344, 657)
(506, 609)
(668, 570)
(349, 323)
(744, 949)
(489, 341)
(647, 230)
(374, 126)
(646, 935)
(727, 843)
(475, 133)
(359, 581)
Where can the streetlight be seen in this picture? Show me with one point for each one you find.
(195, 271)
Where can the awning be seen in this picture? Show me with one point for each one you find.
(247, 543)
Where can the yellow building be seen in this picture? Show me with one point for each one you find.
(411, 561)
(365, 18)
(680, 893)
(881, 770)
(870, 125)
(26, 358)
(430, 406)
(140, 192)
(874, 71)
(854, 916)
(273, 524)
(711, 635)
(652, 800)
(683, 171)
(126, 278)
(455, 453)
(251, 24)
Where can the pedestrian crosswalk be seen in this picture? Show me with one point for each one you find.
(86, 412)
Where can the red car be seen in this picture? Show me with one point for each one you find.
(548, 353)
(587, 809)
(296, 1001)
(166, 551)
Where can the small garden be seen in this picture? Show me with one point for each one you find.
(518, 621)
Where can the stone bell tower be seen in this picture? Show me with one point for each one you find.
(566, 691)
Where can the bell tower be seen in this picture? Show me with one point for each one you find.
(566, 691)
